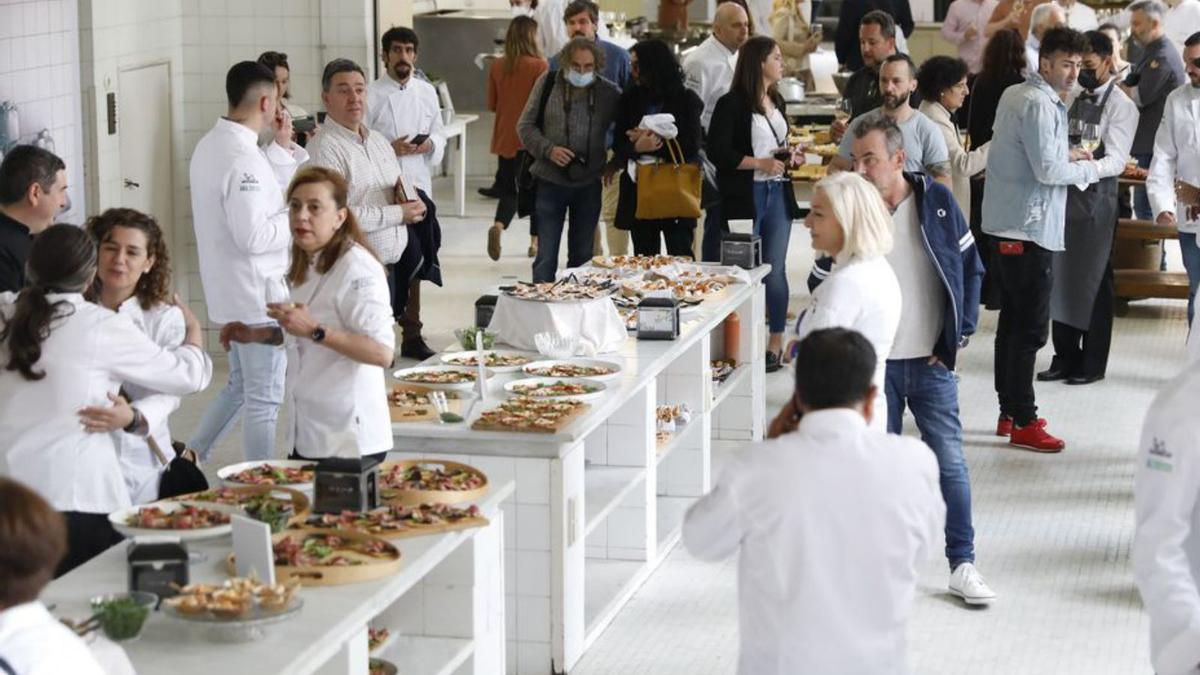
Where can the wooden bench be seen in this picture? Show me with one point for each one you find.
(1150, 284)
(1131, 228)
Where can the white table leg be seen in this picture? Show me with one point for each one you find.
(460, 176)
(351, 659)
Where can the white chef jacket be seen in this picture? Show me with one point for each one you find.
(332, 394)
(1118, 123)
(861, 295)
(1079, 16)
(708, 70)
(88, 355)
(1166, 545)
(1180, 21)
(33, 642)
(163, 324)
(832, 521)
(242, 233)
(396, 110)
(552, 28)
(1176, 153)
(285, 162)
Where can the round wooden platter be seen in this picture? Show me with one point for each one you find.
(415, 497)
(410, 529)
(301, 504)
(333, 575)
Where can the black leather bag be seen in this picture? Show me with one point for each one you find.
(526, 183)
(182, 476)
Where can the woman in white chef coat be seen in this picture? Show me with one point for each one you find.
(60, 354)
(339, 324)
(133, 277)
(850, 222)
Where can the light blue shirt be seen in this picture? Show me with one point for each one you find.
(1029, 168)
(924, 145)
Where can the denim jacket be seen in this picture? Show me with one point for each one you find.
(951, 247)
(1028, 168)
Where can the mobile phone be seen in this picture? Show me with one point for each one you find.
(304, 125)
(418, 139)
(321, 116)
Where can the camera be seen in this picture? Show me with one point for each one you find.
(576, 170)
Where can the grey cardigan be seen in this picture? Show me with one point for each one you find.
(603, 96)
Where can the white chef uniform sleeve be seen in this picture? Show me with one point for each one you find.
(285, 162)
(168, 333)
(435, 155)
(1160, 182)
(256, 217)
(133, 357)
(363, 303)
(712, 528)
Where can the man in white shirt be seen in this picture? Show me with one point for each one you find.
(1082, 297)
(1182, 19)
(552, 29)
(708, 71)
(1166, 545)
(1043, 18)
(404, 108)
(1078, 15)
(379, 196)
(1176, 161)
(805, 604)
(242, 240)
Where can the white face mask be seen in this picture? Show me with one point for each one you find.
(521, 10)
(579, 79)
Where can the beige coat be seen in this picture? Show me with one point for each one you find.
(963, 164)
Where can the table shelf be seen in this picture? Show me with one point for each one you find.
(604, 488)
(608, 585)
(422, 654)
(681, 432)
(724, 389)
(670, 521)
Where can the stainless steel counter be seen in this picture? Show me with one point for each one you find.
(449, 44)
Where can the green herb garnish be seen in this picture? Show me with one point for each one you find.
(121, 618)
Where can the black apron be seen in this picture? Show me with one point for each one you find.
(1090, 227)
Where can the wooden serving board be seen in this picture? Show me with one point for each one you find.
(559, 424)
(301, 504)
(403, 413)
(415, 497)
(375, 568)
(417, 530)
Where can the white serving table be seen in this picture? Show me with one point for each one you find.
(444, 609)
(457, 128)
(599, 504)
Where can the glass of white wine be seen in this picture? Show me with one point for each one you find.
(1089, 138)
(277, 291)
(842, 112)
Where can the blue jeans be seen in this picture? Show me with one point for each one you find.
(553, 204)
(1191, 263)
(774, 225)
(256, 375)
(932, 393)
(1141, 201)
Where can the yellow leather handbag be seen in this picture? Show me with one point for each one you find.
(668, 189)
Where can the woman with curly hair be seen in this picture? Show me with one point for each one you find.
(133, 277)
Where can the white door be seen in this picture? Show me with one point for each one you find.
(144, 130)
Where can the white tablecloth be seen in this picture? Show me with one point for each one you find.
(596, 323)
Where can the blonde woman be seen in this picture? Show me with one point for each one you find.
(849, 222)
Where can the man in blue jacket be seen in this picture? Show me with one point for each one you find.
(940, 272)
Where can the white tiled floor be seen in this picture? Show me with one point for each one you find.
(1053, 532)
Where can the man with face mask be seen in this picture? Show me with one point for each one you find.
(1029, 168)
(1177, 163)
(1082, 299)
(1158, 70)
(924, 147)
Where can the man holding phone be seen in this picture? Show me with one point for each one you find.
(405, 109)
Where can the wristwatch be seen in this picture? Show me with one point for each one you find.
(318, 334)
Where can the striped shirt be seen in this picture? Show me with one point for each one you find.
(370, 167)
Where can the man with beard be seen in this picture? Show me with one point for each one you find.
(1177, 162)
(924, 147)
(877, 42)
(1029, 168)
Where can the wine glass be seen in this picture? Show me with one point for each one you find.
(842, 112)
(1075, 131)
(1089, 138)
(276, 290)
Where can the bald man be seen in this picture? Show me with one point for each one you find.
(709, 72)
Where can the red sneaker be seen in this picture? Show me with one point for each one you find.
(1004, 426)
(1034, 437)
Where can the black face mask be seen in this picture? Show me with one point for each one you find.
(1088, 79)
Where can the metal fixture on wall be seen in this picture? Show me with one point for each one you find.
(10, 126)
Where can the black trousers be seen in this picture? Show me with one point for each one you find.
(677, 233)
(88, 535)
(989, 292)
(1023, 271)
(1084, 353)
(506, 185)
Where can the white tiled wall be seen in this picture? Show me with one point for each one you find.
(39, 72)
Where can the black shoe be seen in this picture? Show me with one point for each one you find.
(1084, 379)
(1052, 374)
(490, 192)
(774, 361)
(416, 349)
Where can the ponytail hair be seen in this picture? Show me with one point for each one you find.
(62, 260)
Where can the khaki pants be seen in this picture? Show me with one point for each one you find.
(618, 240)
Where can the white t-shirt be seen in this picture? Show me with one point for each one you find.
(921, 310)
(331, 394)
(33, 642)
(765, 137)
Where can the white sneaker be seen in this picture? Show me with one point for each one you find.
(968, 584)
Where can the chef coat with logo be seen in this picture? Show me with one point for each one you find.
(831, 521)
(332, 394)
(1166, 544)
(33, 642)
(708, 70)
(89, 354)
(241, 223)
(1176, 155)
(406, 110)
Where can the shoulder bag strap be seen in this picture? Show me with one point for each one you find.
(547, 89)
(7, 669)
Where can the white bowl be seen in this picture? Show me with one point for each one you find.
(119, 517)
(226, 472)
(400, 376)
(449, 359)
(555, 345)
(511, 387)
(536, 365)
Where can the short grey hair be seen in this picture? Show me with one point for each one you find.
(1151, 8)
(1042, 12)
(574, 45)
(877, 121)
(339, 66)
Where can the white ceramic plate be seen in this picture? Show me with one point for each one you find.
(225, 473)
(120, 517)
(530, 369)
(457, 359)
(511, 387)
(400, 376)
